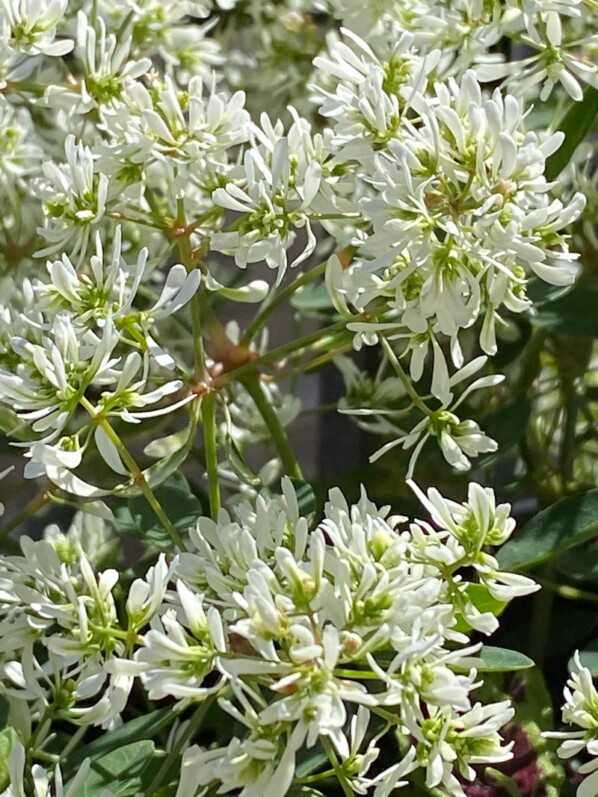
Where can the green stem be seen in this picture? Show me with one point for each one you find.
(208, 416)
(540, 621)
(326, 775)
(254, 387)
(567, 591)
(530, 362)
(36, 503)
(136, 473)
(278, 298)
(208, 402)
(411, 392)
(342, 778)
(73, 742)
(321, 339)
(173, 755)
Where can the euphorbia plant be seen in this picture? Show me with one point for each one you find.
(418, 177)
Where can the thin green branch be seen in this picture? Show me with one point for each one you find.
(190, 731)
(342, 778)
(411, 392)
(252, 384)
(136, 473)
(277, 298)
(208, 416)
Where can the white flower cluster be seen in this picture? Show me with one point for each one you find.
(313, 618)
(306, 637)
(433, 186)
(70, 341)
(560, 35)
(454, 211)
(581, 709)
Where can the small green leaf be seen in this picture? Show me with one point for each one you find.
(579, 566)
(589, 658)
(236, 461)
(574, 313)
(304, 791)
(540, 292)
(310, 761)
(139, 729)
(8, 739)
(575, 124)
(120, 772)
(568, 523)
(137, 518)
(503, 660)
(312, 300)
(14, 427)
(483, 601)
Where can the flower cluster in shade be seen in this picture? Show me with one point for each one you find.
(333, 635)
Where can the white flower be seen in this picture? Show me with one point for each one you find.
(109, 289)
(20, 153)
(371, 94)
(40, 778)
(29, 26)
(105, 66)
(261, 765)
(581, 709)
(74, 198)
(272, 208)
(179, 652)
(458, 440)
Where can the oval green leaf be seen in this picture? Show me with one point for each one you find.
(568, 523)
(503, 660)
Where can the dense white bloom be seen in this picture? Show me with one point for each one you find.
(40, 778)
(20, 152)
(581, 709)
(29, 26)
(461, 215)
(273, 200)
(71, 611)
(302, 613)
(74, 198)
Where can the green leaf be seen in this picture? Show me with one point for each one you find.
(139, 729)
(309, 761)
(503, 660)
(121, 772)
(580, 567)
(575, 124)
(570, 522)
(574, 313)
(4, 711)
(236, 461)
(483, 601)
(137, 518)
(571, 626)
(8, 739)
(312, 300)
(588, 657)
(540, 292)
(13, 426)
(304, 791)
